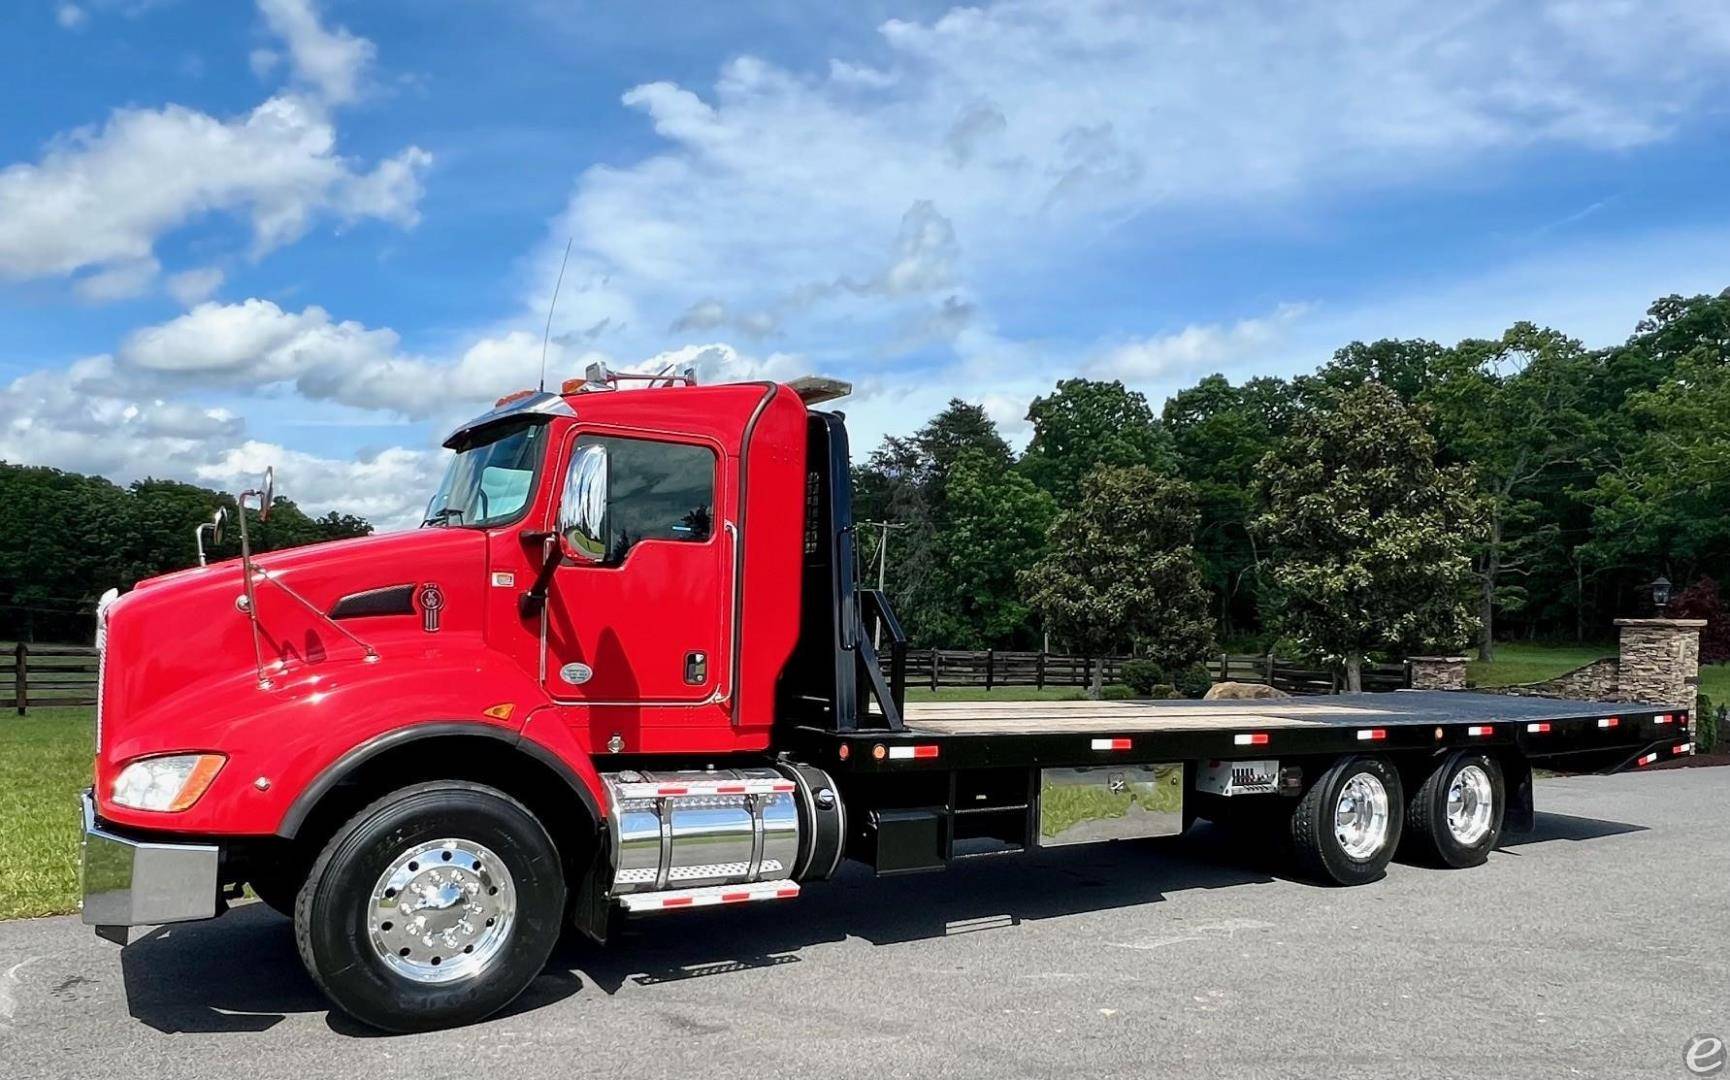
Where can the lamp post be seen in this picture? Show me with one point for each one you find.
(1660, 594)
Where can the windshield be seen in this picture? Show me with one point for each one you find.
(489, 481)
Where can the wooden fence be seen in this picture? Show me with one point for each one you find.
(934, 668)
(45, 675)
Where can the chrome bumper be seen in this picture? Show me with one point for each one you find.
(143, 883)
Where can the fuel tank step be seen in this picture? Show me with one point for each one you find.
(708, 896)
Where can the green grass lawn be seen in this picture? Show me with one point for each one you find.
(1525, 662)
(44, 764)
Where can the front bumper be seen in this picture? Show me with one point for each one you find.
(130, 882)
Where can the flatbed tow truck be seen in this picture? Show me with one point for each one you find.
(626, 669)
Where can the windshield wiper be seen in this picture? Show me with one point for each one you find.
(443, 517)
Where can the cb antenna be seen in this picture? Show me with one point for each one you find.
(552, 307)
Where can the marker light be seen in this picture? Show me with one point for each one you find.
(170, 783)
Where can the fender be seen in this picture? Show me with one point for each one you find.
(578, 773)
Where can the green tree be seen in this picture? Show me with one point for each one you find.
(906, 481)
(1220, 433)
(1368, 540)
(1512, 410)
(1120, 573)
(1083, 424)
(993, 524)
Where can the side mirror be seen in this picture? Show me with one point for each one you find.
(582, 520)
(267, 493)
(216, 522)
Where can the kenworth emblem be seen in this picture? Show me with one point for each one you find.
(432, 601)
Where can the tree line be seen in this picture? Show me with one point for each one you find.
(66, 538)
(1406, 495)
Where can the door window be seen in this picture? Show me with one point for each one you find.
(655, 491)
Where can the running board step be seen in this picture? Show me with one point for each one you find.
(708, 896)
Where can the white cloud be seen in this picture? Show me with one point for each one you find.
(1029, 128)
(70, 17)
(190, 287)
(101, 197)
(1199, 348)
(331, 61)
(119, 281)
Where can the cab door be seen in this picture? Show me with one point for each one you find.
(642, 623)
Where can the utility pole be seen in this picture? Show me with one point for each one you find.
(883, 529)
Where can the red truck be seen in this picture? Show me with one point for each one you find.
(626, 668)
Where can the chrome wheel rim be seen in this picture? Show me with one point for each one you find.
(1361, 817)
(442, 911)
(1471, 803)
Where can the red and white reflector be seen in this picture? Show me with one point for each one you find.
(1663, 718)
(904, 753)
(1253, 738)
(1610, 722)
(709, 896)
(1371, 734)
(1646, 759)
(1480, 730)
(1542, 727)
(649, 789)
(1685, 748)
(1111, 744)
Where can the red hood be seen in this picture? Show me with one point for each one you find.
(183, 640)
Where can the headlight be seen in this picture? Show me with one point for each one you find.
(169, 783)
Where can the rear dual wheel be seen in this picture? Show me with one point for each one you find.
(1455, 816)
(1346, 827)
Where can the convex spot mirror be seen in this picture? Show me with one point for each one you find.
(582, 522)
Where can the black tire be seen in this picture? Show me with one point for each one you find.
(331, 913)
(1317, 848)
(1428, 837)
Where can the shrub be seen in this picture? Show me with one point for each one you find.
(1117, 692)
(1708, 725)
(1193, 681)
(1162, 692)
(1142, 675)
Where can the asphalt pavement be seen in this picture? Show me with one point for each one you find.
(1596, 946)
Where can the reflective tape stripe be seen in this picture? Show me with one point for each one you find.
(709, 896)
(1648, 759)
(1662, 718)
(902, 753)
(1539, 728)
(1372, 733)
(1111, 744)
(1257, 738)
(1685, 748)
(1610, 721)
(1480, 729)
(650, 790)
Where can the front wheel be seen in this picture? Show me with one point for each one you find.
(1346, 826)
(433, 907)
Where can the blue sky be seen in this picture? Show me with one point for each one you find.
(316, 233)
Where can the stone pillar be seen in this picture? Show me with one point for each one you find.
(1660, 662)
(1438, 672)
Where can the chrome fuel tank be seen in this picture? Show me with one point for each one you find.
(683, 829)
